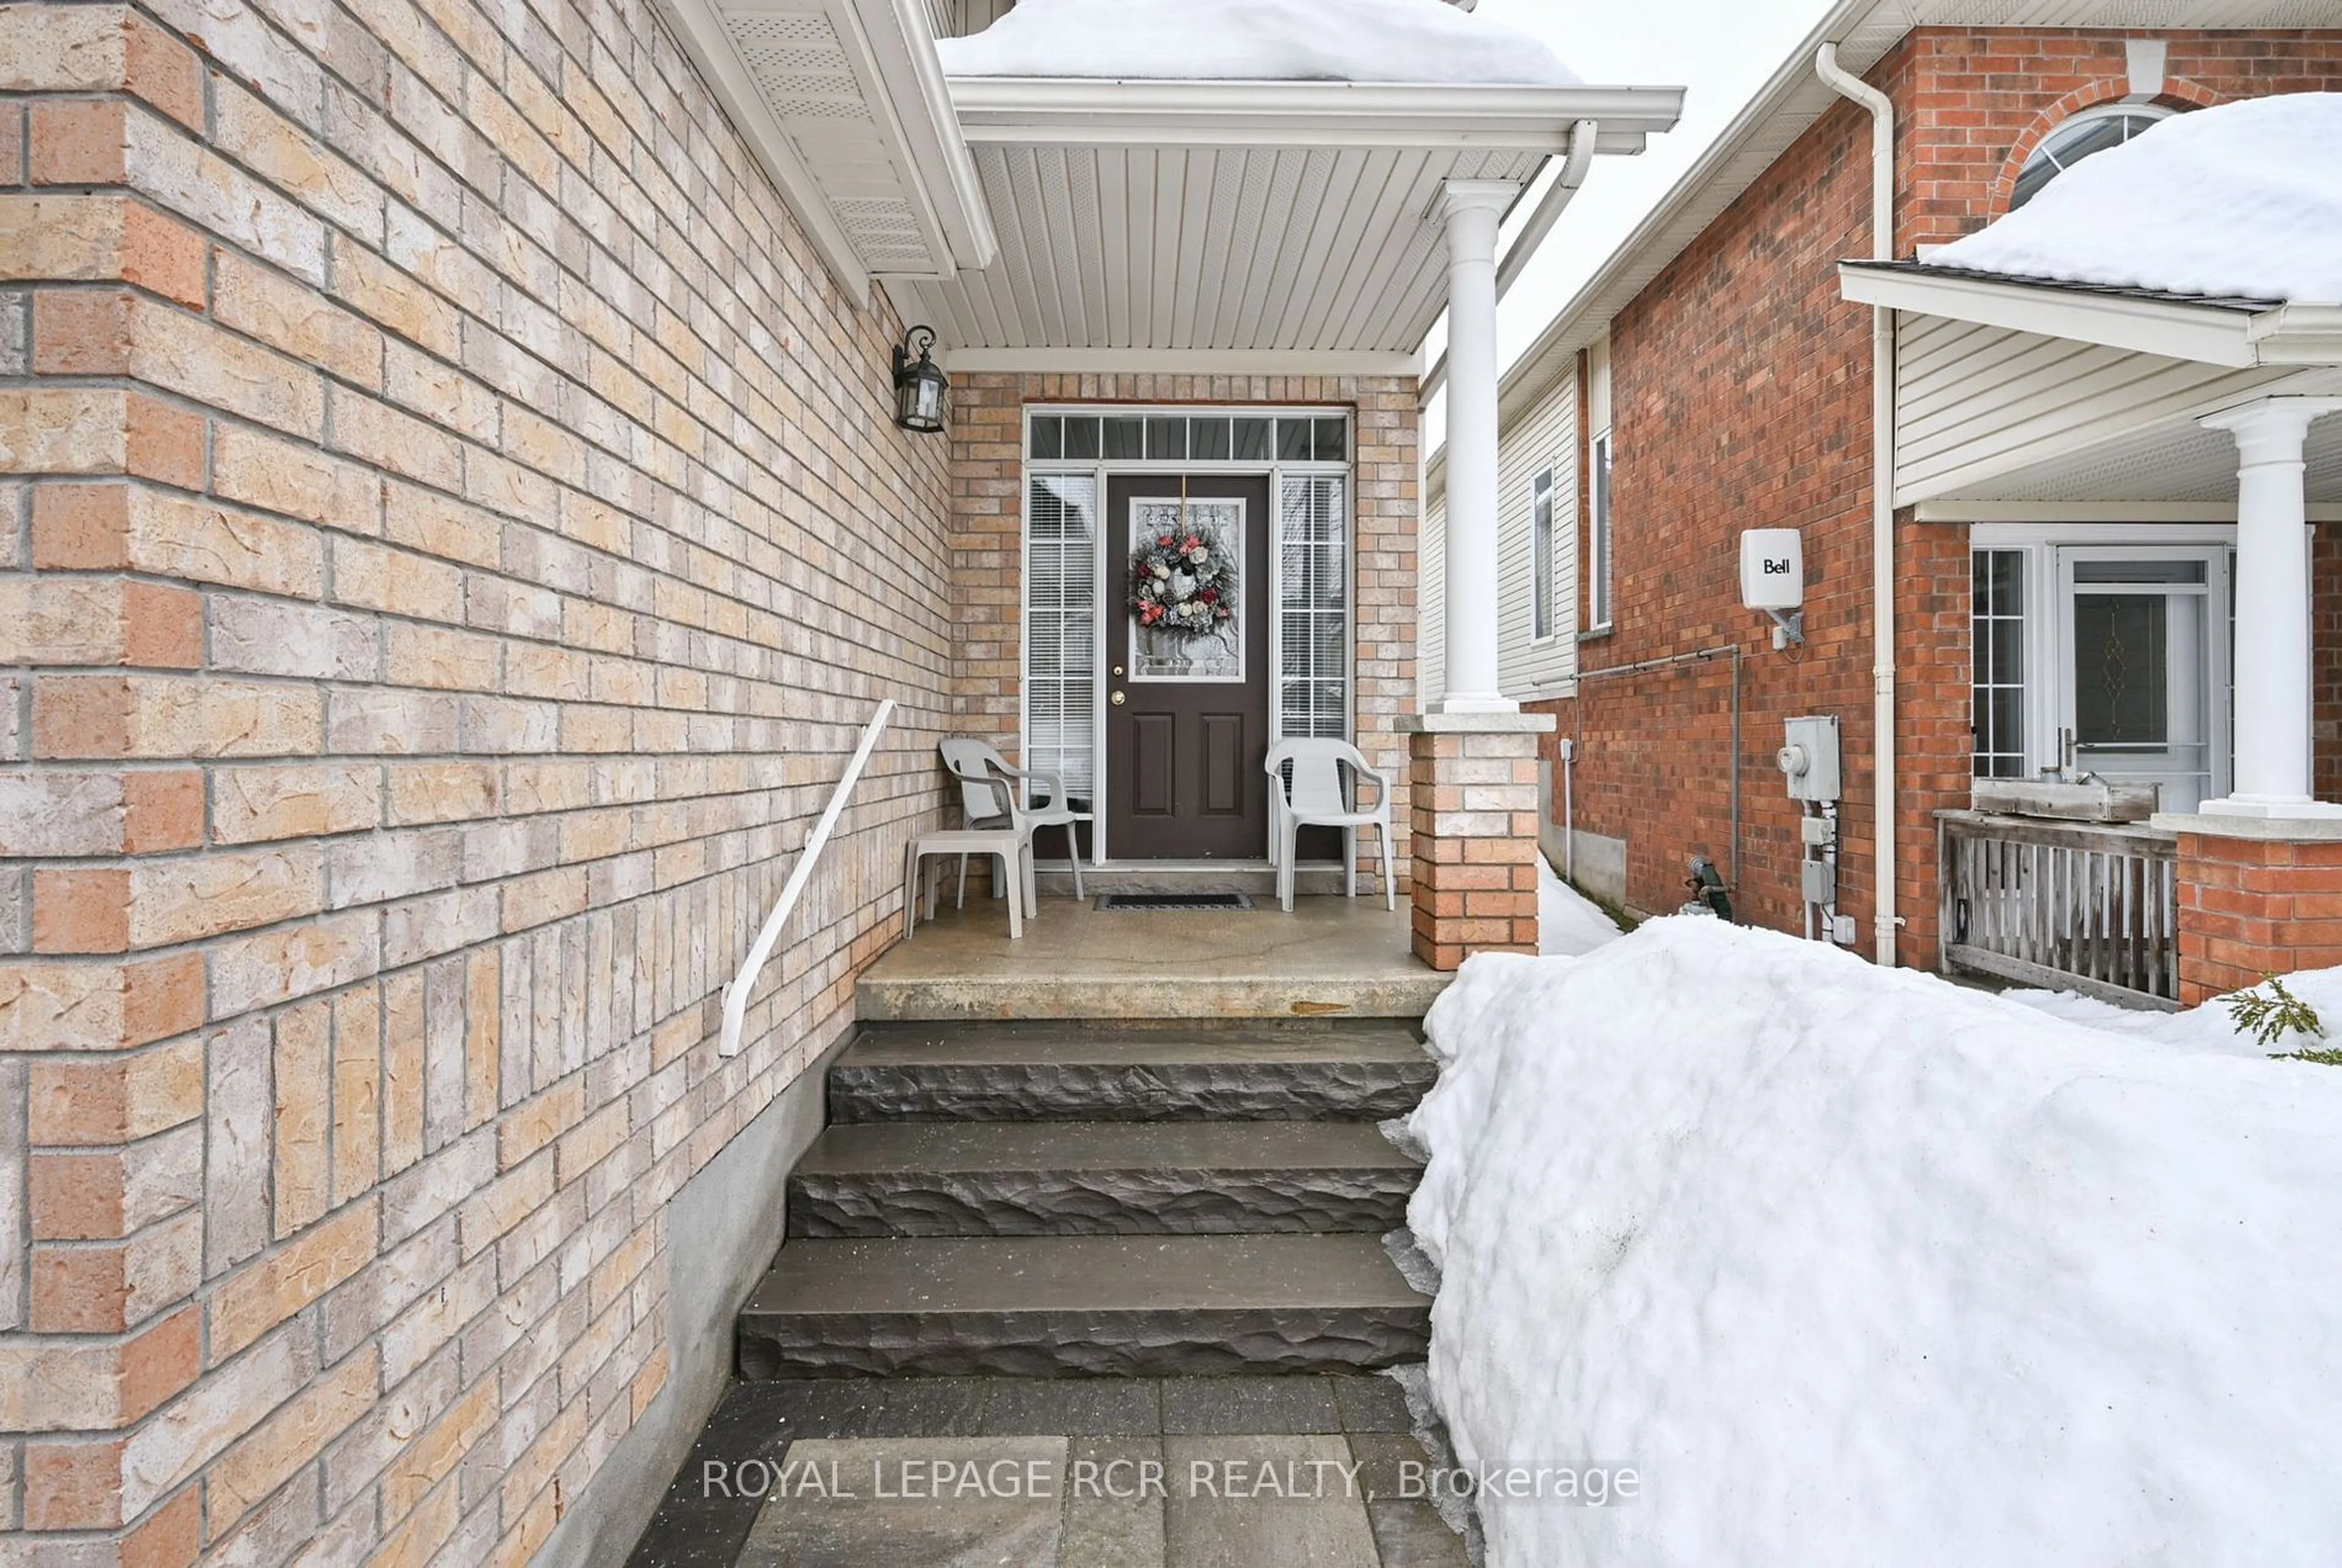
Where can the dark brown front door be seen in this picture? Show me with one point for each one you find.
(1187, 727)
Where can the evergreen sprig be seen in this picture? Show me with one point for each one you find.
(2269, 1012)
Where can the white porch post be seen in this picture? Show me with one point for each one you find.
(1474, 210)
(2273, 646)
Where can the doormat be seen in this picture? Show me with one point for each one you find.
(1108, 902)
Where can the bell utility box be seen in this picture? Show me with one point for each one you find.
(1808, 758)
(1772, 579)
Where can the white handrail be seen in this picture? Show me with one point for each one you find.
(735, 995)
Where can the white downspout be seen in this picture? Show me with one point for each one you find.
(1882, 485)
(1548, 211)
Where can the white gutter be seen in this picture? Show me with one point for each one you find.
(1583, 136)
(2209, 335)
(1100, 111)
(1882, 491)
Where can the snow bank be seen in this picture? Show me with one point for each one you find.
(1858, 1268)
(2243, 200)
(1254, 40)
(1568, 922)
(2208, 1028)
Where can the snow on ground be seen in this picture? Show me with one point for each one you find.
(2244, 199)
(2208, 1028)
(1568, 922)
(1860, 1268)
(1254, 40)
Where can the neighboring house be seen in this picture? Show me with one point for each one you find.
(2053, 503)
(457, 533)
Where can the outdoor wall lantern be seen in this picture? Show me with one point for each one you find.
(919, 384)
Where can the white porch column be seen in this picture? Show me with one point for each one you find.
(2272, 650)
(1473, 209)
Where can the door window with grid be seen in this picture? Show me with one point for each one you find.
(1061, 631)
(1313, 548)
(1997, 637)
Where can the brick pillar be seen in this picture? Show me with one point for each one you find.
(2256, 898)
(1475, 816)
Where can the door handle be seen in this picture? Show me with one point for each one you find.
(1117, 699)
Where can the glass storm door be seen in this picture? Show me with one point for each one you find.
(2143, 683)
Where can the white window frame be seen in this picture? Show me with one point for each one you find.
(1545, 558)
(2081, 117)
(1600, 509)
(1109, 602)
(2047, 619)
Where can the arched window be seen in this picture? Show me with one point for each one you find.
(2091, 131)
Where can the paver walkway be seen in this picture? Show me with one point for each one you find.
(1292, 1471)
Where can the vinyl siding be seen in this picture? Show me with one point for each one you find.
(959, 18)
(1545, 437)
(1976, 401)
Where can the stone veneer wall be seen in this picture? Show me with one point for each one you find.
(451, 533)
(988, 537)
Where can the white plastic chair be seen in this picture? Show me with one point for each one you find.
(1306, 789)
(996, 827)
(978, 766)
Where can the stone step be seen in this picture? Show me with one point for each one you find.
(1116, 1178)
(1331, 958)
(1056, 1306)
(1107, 1071)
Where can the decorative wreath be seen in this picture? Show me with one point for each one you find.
(1183, 583)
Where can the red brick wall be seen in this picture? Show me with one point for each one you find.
(1977, 103)
(2326, 671)
(1741, 399)
(2255, 907)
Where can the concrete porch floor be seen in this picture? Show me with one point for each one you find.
(1331, 958)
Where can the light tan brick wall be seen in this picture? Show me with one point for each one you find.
(1474, 837)
(450, 535)
(987, 534)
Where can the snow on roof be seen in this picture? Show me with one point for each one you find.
(1413, 41)
(2241, 200)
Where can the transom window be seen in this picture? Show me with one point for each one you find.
(1188, 438)
(2091, 132)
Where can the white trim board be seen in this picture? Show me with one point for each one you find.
(2099, 533)
(1025, 111)
(1177, 362)
(905, 152)
(2066, 513)
(2286, 335)
(2209, 335)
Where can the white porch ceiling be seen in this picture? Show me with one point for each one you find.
(1231, 225)
(1233, 250)
(2175, 462)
